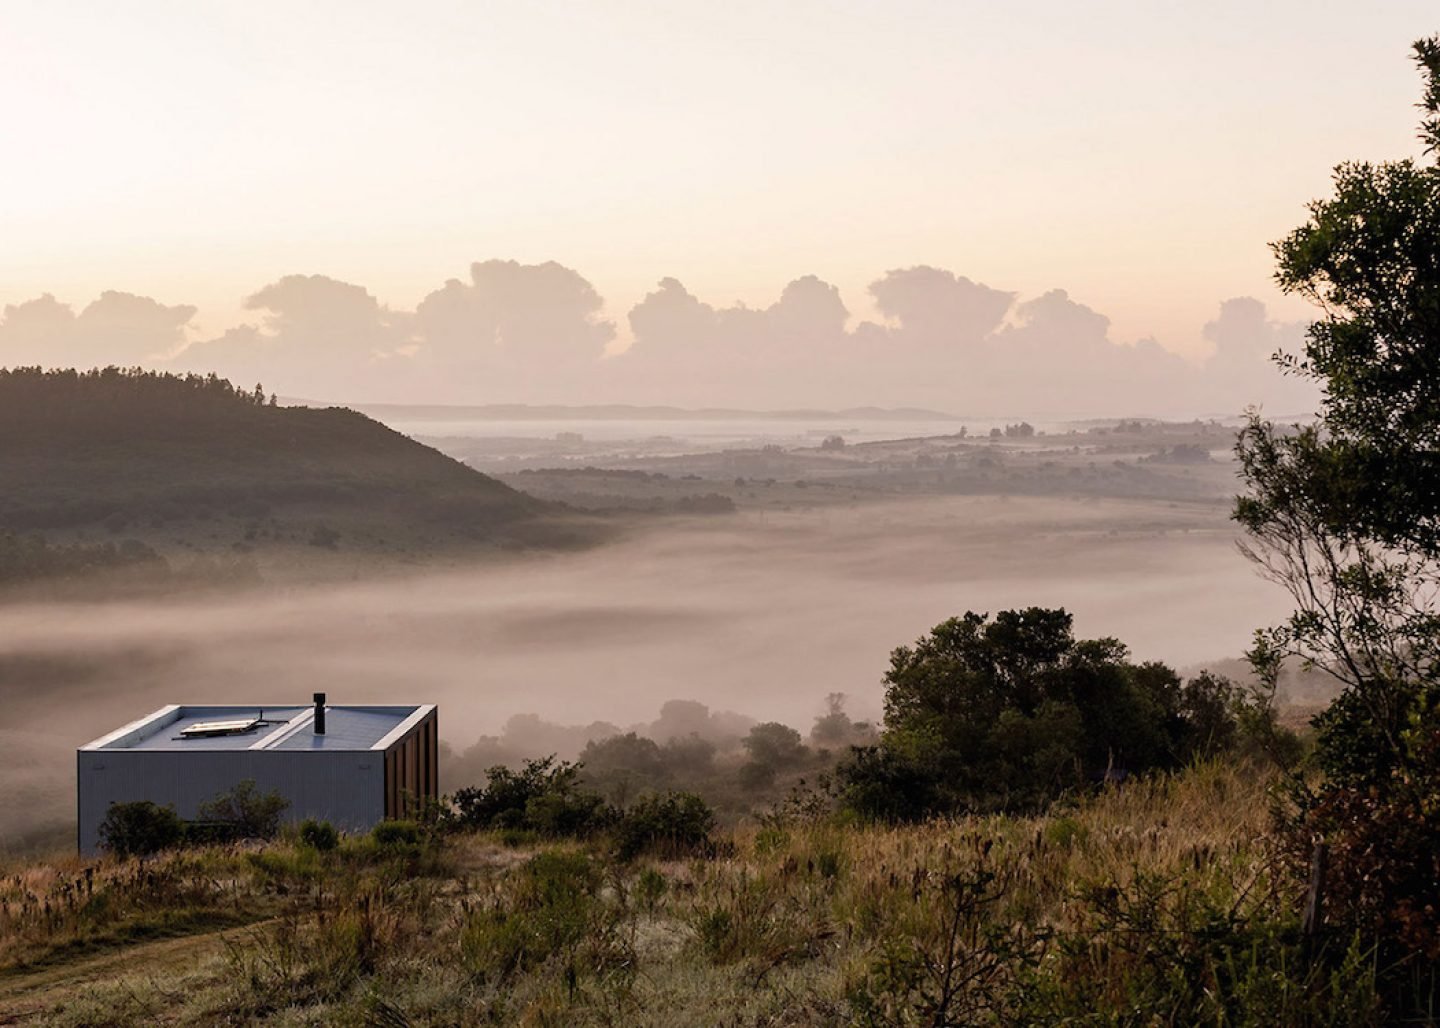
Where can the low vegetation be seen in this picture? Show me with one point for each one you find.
(1156, 899)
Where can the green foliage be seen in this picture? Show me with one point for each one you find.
(650, 887)
(139, 829)
(885, 784)
(775, 746)
(1345, 515)
(624, 765)
(553, 917)
(676, 824)
(544, 796)
(240, 813)
(957, 968)
(1185, 951)
(319, 835)
(1383, 858)
(397, 834)
(834, 728)
(1008, 713)
(32, 558)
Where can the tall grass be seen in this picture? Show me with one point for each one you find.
(1151, 902)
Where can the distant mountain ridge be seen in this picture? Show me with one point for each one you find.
(162, 457)
(628, 412)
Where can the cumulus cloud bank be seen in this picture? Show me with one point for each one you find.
(537, 333)
(118, 328)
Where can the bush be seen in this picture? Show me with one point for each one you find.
(553, 915)
(544, 796)
(1382, 875)
(139, 829)
(676, 824)
(241, 813)
(319, 835)
(396, 834)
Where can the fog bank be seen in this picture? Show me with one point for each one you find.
(759, 614)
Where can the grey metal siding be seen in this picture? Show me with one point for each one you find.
(346, 788)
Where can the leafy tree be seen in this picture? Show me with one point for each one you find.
(244, 812)
(689, 757)
(1345, 514)
(1007, 713)
(775, 746)
(623, 765)
(834, 726)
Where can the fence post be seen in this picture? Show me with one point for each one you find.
(1314, 917)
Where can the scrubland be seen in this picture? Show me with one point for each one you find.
(1157, 901)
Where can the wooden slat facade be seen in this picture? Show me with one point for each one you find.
(412, 770)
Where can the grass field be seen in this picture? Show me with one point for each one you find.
(1156, 902)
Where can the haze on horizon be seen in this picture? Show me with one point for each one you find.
(1062, 209)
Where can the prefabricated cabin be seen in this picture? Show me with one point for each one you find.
(353, 766)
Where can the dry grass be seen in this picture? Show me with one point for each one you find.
(800, 923)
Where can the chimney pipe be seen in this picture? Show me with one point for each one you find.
(319, 713)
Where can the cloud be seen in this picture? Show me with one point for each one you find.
(318, 338)
(671, 318)
(808, 313)
(514, 327)
(934, 306)
(1058, 356)
(686, 351)
(537, 333)
(1241, 373)
(117, 328)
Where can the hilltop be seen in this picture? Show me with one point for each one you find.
(181, 464)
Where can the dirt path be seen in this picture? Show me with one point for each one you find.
(25, 997)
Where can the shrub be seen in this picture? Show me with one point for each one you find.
(241, 813)
(139, 829)
(396, 834)
(675, 824)
(1382, 875)
(544, 796)
(553, 912)
(319, 835)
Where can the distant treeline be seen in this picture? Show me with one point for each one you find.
(32, 558)
(137, 451)
(33, 399)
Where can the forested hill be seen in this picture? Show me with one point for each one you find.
(194, 463)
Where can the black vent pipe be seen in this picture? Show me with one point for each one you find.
(319, 713)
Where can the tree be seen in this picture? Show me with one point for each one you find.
(1345, 514)
(244, 812)
(623, 765)
(774, 745)
(833, 727)
(1007, 713)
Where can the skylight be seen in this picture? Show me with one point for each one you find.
(200, 729)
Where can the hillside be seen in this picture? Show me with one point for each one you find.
(191, 464)
(1152, 903)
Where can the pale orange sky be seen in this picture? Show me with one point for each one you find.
(1139, 155)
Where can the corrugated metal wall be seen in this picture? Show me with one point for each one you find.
(346, 788)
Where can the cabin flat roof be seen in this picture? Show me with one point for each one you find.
(291, 729)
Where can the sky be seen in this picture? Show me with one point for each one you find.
(1138, 155)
